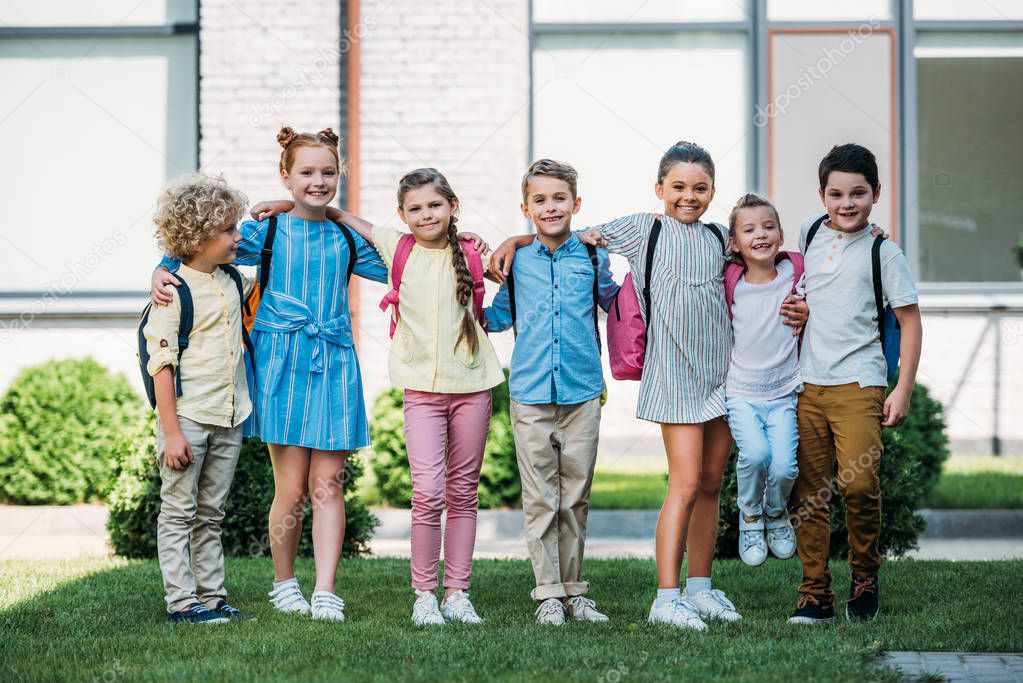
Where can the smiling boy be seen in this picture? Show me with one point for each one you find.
(556, 382)
(843, 405)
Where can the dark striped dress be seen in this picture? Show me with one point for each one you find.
(689, 339)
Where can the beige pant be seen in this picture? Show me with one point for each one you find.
(557, 449)
(191, 511)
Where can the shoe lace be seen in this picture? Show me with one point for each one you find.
(460, 604)
(806, 600)
(684, 607)
(547, 608)
(779, 534)
(749, 539)
(580, 603)
(718, 597)
(863, 585)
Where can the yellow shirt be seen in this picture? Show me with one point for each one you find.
(424, 356)
(214, 390)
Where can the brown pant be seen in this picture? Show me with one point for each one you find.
(557, 450)
(838, 425)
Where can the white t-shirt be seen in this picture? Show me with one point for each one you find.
(841, 343)
(765, 355)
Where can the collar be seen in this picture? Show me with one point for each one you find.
(567, 247)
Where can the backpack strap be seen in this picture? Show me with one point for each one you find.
(185, 323)
(475, 262)
(798, 267)
(266, 253)
(511, 301)
(813, 231)
(717, 233)
(237, 277)
(655, 233)
(401, 254)
(875, 271)
(352, 249)
(592, 250)
(733, 272)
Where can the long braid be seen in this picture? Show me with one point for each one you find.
(463, 290)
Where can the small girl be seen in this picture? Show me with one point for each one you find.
(683, 385)
(308, 389)
(763, 378)
(443, 360)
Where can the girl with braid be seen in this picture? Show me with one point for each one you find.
(443, 360)
(441, 357)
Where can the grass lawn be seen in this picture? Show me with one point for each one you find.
(970, 482)
(102, 620)
(979, 482)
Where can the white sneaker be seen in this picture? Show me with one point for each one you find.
(425, 611)
(327, 607)
(550, 612)
(781, 537)
(752, 548)
(456, 607)
(713, 604)
(584, 609)
(288, 598)
(680, 612)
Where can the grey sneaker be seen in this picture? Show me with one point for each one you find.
(551, 612)
(457, 607)
(584, 609)
(680, 612)
(425, 611)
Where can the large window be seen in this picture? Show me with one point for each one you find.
(970, 142)
(98, 109)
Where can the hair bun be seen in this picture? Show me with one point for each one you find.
(286, 135)
(330, 136)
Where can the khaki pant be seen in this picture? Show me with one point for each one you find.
(838, 426)
(191, 511)
(557, 449)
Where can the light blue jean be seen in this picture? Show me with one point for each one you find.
(766, 434)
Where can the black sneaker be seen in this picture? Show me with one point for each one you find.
(196, 614)
(862, 605)
(225, 610)
(811, 611)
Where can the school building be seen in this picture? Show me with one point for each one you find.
(105, 100)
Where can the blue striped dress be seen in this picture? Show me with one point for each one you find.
(308, 384)
(689, 339)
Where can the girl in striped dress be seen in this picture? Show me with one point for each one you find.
(308, 390)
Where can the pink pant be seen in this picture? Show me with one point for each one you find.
(455, 426)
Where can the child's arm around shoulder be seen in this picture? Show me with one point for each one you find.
(607, 288)
(502, 258)
(498, 313)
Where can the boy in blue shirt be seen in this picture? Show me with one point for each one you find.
(550, 297)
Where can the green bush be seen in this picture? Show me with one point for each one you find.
(499, 478)
(910, 468)
(59, 424)
(134, 502)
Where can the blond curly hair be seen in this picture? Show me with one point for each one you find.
(192, 209)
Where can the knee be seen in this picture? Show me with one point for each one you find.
(710, 486)
(428, 500)
(462, 500)
(684, 493)
(860, 489)
(291, 496)
(752, 458)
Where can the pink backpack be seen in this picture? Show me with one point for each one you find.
(734, 271)
(626, 330)
(401, 254)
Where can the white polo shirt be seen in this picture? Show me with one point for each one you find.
(841, 343)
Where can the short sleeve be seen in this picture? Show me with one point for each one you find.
(386, 241)
(896, 279)
(161, 334)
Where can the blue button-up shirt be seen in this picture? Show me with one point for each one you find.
(556, 357)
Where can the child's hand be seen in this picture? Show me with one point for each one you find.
(477, 242)
(878, 231)
(896, 407)
(592, 237)
(266, 209)
(501, 260)
(796, 313)
(160, 292)
(176, 451)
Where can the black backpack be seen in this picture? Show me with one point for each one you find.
(184, 331)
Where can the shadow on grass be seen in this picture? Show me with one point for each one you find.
(103, 621)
